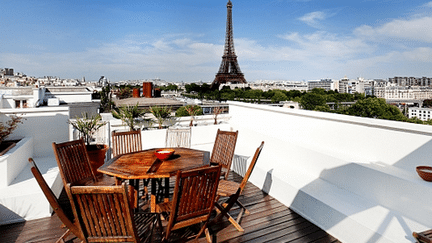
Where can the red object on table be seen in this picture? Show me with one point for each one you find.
(164, 154)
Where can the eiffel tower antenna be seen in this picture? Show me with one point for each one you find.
(229, 70)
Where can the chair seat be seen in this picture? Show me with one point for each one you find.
(101, 180)
(163, 207)
(227, 188)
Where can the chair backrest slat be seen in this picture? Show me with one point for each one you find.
(194, 196)
(178, 137)
(223, 149)
(126, 142)
(73, 161)
(104, 213)
(52, 199)
(251, 167)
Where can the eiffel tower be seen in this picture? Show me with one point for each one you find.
(229, 70)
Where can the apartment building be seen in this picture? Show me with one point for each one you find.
(411, 81)
(423, 114)
(327, 84)
(403, 92)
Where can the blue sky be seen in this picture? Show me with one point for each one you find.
(183, 40)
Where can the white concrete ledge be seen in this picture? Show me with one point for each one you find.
(353, 177)
(13, 161)
(23, 199)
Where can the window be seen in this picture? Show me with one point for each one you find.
(20, 103)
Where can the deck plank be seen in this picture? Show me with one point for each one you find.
(268, 221)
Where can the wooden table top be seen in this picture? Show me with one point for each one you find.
(145, 165)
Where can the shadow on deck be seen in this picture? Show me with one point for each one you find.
(268, 221)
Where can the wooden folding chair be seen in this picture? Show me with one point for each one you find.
(233, 190)
(193, 200)
(65, 218)
(129, 142)
(223, 150)
(105, 214)
(178, 137)
(74, 165)
(126, 142)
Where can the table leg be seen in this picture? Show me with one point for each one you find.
(135, 185)
(153, 196)
(166, 192)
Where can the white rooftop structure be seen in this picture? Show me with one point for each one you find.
(353, 177)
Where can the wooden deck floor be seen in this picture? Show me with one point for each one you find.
(269, 221)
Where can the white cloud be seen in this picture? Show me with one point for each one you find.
(118, 60)
(324, 44)
(429, 5)
(418, 29)
(313, 55)
(312, 19)
(421, 54)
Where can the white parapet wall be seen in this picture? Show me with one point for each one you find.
(354, 177)
(44, 124)
(20, 196)
(14, 161)
(202, 137)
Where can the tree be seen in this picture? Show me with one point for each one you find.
(375, 108)
(193, 110)
(170, 87)
(106, 99)
(9, 127)
(161, 114)
(278, 96)
(128, 115)
(216, 111)
(427, 103)
(293, 94)
(182, 111)
(193, 87)
(319, 91)
(124, 93)
(310, 101)
(87, 126)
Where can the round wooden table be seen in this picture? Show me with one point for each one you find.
(145, 165)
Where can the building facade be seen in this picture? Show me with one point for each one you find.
(403, 92)
(411, 81)
(326, 84)
(423, 114)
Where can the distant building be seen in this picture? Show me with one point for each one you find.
(79, 99)
(359, 85)
(326, 84)
(411, 81)
(345, 85)
(266, 85)
(403, 92)
(7, 71)
(423, 114)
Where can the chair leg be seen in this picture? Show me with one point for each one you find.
(205, 230)
(243, 207)
(61, 239)
(208, 236)
(224, 212)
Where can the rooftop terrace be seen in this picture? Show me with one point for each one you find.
(352, 177)
(269, 221)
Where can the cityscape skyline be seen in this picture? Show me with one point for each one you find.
(183, 41)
